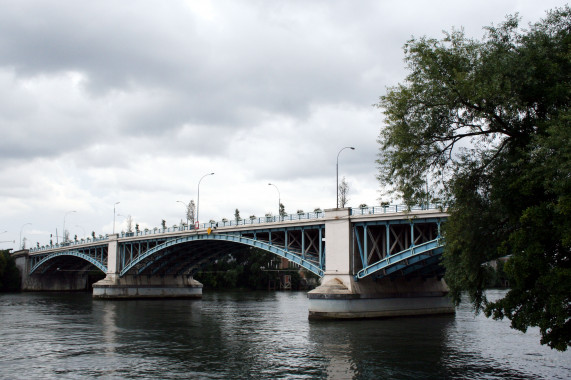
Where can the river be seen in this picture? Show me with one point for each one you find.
(255, 335)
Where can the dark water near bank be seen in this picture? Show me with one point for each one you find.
(254, 336)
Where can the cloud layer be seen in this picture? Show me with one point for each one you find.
(133, 102)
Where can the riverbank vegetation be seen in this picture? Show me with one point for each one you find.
(488, 123)
(254, 269)
(9, 273)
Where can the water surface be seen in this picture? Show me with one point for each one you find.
(254, 335)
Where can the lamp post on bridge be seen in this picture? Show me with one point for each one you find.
(26, 224)
(186, 212)
(63, 231)
(116, 203)
(198, 199)
(347, 147)
(279, 199)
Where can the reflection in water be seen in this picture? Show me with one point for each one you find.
(109, 325)
(257, 335)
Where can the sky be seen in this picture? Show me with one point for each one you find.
(135, 101)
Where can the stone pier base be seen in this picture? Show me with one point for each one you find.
(341, 297)
(133, 287)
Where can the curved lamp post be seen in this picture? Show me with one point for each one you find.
(342, 149)
(116, 203)
(26, 224)
(279, 199)
(198, 198)
(185, 211)
(63, 231)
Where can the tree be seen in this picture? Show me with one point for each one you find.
(343, 193)
(9, 273)
(129, 223)
(282, 211)
(190, 212)
(164, 224)
(237, 217)
(489, 122)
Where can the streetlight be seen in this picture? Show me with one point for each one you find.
(279, 199)
(21, 233)
(198, 198)
(63, 232)
(186, 211)
(116, 203)
(347, 147)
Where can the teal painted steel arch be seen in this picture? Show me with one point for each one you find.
(403, 259)
(90, 259)
(230, 238)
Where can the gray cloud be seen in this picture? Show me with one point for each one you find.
(134, 101)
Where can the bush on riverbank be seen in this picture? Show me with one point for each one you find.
(9, 273)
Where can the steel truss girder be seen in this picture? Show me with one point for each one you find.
(304, 241)
(403, 259)
(130, 250)
(301, 261)
(81, 255)
(375, 240)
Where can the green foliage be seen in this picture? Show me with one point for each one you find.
(9, 273)
(243, 268)
(489, 122)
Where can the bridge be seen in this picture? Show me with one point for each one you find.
(373, 261)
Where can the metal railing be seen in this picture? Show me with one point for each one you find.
(70, 243)
(246, 221)
(388, 209)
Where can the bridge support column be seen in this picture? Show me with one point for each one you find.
(115, 287)
(340, 296)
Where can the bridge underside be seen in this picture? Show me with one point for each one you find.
(63, 273)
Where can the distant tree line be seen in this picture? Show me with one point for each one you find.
(245, 268)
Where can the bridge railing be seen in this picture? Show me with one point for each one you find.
(70, 243)
(395, 208)
(265, 219)
(247, 221)
(225, 223)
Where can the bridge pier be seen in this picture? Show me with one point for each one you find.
(340, 296)
(129, 286)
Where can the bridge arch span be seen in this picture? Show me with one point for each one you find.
(44, 262)
(222, 243)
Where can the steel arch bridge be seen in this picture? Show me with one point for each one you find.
(382, 244)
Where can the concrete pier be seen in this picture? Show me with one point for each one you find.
(147, 287)
(336, 299)
(340, 296)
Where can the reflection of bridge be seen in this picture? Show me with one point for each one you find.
(362, 254)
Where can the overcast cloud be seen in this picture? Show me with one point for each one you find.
(134, 101)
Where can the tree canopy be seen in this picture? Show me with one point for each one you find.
(9, 273)
(488, 121)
